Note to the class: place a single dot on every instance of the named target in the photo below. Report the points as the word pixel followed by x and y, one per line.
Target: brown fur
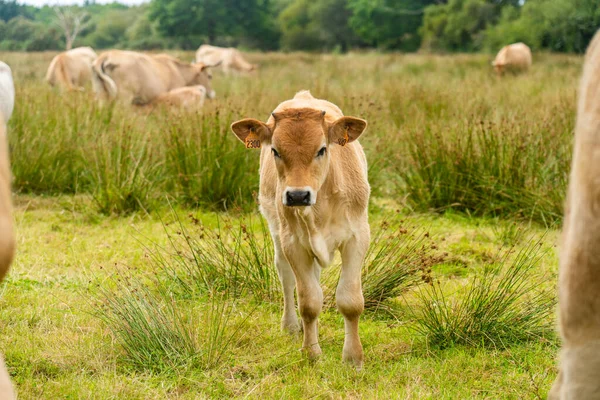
pixel 71 69
pixel 306 238
pixel 140 78
pixel 579 274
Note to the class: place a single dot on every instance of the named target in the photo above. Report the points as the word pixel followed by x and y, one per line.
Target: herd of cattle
pixel 145 79
pixel 314 192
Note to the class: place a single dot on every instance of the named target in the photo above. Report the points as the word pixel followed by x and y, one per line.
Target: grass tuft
pixel 504 305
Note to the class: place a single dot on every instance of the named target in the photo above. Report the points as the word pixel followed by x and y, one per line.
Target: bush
pixel 504 305
pixel 487 169
pixel 160 333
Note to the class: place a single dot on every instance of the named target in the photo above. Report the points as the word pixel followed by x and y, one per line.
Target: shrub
pixel 504 305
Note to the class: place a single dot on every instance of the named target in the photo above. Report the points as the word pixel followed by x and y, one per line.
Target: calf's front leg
pixel 349 296
pixel 289 320
pixel 310 296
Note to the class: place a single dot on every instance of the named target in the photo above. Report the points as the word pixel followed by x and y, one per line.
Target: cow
pixel 230 58
pixel 7 236
pixel 140 78
pixel 579 266
pixel 71 69
pixel 314 194
pixel 187 98
pixel 514 58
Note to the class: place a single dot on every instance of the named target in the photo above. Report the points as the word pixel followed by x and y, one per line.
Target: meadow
pixel 145 271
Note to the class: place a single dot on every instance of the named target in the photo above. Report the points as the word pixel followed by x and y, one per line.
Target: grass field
pixel 144 270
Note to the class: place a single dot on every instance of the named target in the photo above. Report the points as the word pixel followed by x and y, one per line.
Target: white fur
pixel 7 92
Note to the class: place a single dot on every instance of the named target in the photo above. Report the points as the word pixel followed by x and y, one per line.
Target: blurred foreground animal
pixel 229 58
pixel 579 272
pixel 186 98
pixel 71 69
pixel 514 58
pixel 314 194
pixel 7 236
pixel 140 78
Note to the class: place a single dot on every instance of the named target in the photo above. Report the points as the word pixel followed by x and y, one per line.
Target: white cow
pixel 579 271
pixel 7 236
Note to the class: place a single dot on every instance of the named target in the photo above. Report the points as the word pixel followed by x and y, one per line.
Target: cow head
pixel 499 68
pixel 203 77
pixel 300 141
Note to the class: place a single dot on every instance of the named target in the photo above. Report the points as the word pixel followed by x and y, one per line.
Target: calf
pixel 314 194
pixel 186 98
pixel 579 271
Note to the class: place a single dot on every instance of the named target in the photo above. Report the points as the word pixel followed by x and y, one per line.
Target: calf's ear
pixel 346 130
pixel 252 132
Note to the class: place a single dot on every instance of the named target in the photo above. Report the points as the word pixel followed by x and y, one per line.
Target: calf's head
pixel 203 77
pixel 300 141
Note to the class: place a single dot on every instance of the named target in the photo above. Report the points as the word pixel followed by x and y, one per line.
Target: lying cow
pixel 71 69
pixel 186 98
pixel 314 194
pixel 514 58
pixel 7 236
pixel 230 58
pixel 579 271
pixel 140 78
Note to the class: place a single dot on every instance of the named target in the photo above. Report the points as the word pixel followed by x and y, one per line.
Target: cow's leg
pixel 349 296
pixel 310 296
pixel 289 320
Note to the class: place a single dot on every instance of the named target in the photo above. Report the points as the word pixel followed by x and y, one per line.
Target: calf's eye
pixel 322 152
pixel 275 153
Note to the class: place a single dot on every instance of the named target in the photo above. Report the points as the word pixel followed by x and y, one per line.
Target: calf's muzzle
pixel 296 198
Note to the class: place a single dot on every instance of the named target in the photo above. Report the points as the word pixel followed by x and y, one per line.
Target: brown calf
pixel 314 194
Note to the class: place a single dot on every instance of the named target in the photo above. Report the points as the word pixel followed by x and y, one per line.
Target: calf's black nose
pixel 298 198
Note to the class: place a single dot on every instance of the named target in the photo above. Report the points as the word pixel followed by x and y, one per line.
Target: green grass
pixel 144 272
pixel 56 346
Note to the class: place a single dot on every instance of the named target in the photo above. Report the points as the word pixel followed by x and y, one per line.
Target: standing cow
pixel 230 59
pixel 579 271
pixel 7 236
pixel 71 69
pixel 514 58
pixel 140 78
pixel 314 194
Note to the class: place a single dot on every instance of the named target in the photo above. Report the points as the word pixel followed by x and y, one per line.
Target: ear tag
pixel 252 141
pixel 343 140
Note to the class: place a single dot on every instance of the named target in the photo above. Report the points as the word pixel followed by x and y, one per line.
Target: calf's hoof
pixel 353 357
pixel 313 352
pixel 291 326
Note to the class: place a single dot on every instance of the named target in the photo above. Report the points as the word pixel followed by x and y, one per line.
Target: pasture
pixel 144 270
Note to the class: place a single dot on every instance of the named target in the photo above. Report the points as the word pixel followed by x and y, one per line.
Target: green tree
pixel 459 24
pixel 389 24
pixel 557 25
pixel 212 19
pixel 317 25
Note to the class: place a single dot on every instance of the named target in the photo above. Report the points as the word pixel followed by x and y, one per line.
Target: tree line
pixel 307 25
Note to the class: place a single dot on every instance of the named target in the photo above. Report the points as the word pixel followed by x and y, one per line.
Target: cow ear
pixel 252 132
pixel 346 130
